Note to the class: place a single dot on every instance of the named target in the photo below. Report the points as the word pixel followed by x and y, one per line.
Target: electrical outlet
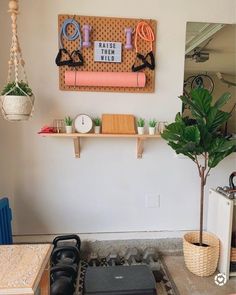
pixel 152 201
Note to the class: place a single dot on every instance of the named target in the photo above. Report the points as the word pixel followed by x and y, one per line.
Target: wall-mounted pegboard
pixel 107 29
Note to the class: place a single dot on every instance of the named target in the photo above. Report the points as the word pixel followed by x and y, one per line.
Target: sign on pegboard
pixel 106 54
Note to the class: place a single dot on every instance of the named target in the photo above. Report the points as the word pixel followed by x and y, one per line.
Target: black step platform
pixel 119 280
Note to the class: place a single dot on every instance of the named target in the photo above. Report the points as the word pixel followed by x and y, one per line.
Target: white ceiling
pixel 222 48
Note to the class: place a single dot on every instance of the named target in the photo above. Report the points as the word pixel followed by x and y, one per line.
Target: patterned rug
pixel 165 286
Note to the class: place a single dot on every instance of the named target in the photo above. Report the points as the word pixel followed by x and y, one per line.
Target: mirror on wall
pixel 210 62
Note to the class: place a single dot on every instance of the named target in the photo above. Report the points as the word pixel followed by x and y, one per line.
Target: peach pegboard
pixel 113 30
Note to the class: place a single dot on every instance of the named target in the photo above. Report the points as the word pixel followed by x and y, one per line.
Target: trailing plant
pixel 68 121
pixel 200 138
pixel 21 90
pixel 97 121
pixel 141 122
pixel 152 123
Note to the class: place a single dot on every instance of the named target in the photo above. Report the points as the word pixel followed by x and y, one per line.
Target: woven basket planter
pixel 202 261
pixel 16 108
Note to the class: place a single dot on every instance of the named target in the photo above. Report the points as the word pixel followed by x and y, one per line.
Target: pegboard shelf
pixel 77 136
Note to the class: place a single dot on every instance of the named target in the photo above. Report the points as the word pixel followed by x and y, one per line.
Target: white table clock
pixel 83 123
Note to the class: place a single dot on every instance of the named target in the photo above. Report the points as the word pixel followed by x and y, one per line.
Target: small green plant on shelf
pixel 20 89
pixel 68 121
pixel 97 121
pixel 141 122
pixel 152 123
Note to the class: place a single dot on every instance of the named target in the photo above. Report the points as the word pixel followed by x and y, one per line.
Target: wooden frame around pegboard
pixel 108 29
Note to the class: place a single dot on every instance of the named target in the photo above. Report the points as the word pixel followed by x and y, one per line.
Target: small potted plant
pixel 141 124
pixel 68 124
pixel 17 101
pixel 97 125
pixel 152 126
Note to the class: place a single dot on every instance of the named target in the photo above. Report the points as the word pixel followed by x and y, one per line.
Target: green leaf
pixel 192 133
pixel 222 100
pixel 201 100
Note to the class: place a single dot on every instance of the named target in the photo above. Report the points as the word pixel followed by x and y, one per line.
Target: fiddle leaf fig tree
pixel 200 138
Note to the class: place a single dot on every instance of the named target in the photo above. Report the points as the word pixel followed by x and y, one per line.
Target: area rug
pixel 165 287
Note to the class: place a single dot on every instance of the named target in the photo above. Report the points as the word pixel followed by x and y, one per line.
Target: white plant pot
pixel 140 130
pixel 152 130
pixel 97 129
pixel 68 129
pixel 17 108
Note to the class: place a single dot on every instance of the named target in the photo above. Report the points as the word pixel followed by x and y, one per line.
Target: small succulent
pixel 12 89
pixel 152 123
pixel 97 121
pixel 141 122
pixel 68 121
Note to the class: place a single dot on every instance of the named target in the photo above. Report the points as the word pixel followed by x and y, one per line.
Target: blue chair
pixel 5 222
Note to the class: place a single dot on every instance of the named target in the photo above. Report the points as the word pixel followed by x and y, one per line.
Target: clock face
pixel 83 123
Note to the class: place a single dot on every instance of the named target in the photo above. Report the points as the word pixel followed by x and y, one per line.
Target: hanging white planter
pixel 17 103
pixel 17 108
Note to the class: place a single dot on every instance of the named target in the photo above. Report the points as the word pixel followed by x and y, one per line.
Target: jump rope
pixel 75 58
pixel 144 32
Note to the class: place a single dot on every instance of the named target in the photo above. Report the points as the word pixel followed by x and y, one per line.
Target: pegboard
pixel 107 29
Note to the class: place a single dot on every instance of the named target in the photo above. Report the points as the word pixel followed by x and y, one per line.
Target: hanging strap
pixel 74 59
pixel 145 32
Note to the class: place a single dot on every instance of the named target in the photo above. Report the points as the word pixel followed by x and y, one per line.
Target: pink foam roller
pixel 105 79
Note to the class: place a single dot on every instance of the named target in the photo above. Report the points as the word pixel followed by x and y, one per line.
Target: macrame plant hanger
pixel 16 107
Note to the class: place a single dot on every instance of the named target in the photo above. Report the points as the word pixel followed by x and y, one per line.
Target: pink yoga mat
pixel 109 79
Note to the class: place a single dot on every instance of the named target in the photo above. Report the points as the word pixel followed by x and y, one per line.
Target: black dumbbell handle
pixel 231 181
pixel 68 237
pixel 56 253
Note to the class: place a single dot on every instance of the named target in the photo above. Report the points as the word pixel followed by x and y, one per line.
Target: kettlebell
pixel 67 238
pixel 62 280
pixel 65 255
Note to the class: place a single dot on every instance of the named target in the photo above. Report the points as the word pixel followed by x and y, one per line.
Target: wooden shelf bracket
pixel 140 147
pixel 77 146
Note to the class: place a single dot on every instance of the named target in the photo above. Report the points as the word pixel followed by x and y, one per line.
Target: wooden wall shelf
pixel 77 136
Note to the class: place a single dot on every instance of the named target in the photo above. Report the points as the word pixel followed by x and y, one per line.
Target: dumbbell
pixel 113 259
pixel 63 280
pixel 94 260
pixel 150 257
pixel 132 256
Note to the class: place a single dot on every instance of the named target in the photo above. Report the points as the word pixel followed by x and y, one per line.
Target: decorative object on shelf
pixel 83 123
pixel 106 29
pixel 97 125
pixel 75 58
pixel 58 125
pixel 128 32
pixel 105 79
pixel 107 51
pixel 162 126
pixel 17 100
pixel 140 124
pixel 68 124
pixel 46 129
pixel 87 29
pixel 152 126
pixel 145 32
pixel 200 140
pixel 118 124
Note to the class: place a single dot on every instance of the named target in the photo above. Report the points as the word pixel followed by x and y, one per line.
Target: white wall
pixel 104 191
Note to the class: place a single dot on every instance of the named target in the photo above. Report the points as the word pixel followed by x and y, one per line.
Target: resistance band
pixel 145 32
pixel 75 59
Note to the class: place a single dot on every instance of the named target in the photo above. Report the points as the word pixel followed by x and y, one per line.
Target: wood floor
pixel 189 284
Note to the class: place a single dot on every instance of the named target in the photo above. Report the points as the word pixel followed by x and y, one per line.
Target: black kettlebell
pixel 62 280
pixel 67 238
pixel 65 255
